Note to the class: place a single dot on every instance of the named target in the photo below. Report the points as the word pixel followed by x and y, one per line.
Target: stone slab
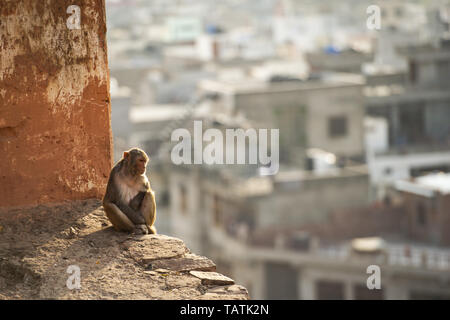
pixel 149 248
pixel 212 278
pixel 187 263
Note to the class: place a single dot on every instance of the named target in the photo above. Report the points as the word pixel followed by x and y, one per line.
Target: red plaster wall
pixel 55 132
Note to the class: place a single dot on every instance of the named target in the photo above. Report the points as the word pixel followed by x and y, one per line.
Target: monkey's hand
pixel 135 203
pixel 145 187
pixel 135 216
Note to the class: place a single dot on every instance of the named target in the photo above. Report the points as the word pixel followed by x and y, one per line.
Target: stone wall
pixel 55 134
pixel 38 244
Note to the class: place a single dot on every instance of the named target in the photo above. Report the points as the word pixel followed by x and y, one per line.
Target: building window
pixel 329 290
pixel 417 295
pixel 443 68
pixel 281 281
pixel 164 198
pixel 412 71
pixel 399 13
pixel 183 199
pixel 361 292
pixel 216 210
pixel 421 215
pixel 337 126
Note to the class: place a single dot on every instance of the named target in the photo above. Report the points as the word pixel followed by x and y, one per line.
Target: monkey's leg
pixel 119 220
pixel 148 211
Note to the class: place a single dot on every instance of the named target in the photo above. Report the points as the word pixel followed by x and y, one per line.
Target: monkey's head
pixel 135 161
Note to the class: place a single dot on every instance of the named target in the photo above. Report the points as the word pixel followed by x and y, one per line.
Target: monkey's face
pixel 136 161
pixel 141 164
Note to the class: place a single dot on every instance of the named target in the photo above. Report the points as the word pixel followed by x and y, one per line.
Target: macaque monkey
pixel 129 201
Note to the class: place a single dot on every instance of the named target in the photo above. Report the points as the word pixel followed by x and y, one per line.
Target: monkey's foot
pixel 151 230
pixel 140 229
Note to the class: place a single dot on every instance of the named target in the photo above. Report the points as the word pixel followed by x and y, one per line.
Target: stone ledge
pixel 40 243
pixel 212 278
pixel 190 262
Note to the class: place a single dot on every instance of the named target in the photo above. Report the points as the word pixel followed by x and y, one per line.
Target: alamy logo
pixel 74 21
pixel 74 280
pixel 374 20
pixel 214 151
pixel 374 281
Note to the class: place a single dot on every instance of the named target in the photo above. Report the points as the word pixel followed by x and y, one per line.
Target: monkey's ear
pixel 126 154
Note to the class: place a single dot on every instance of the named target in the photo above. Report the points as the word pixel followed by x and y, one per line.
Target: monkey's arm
pixel 135 203
pixel 133 215
pixel 148 210
pixel 112 196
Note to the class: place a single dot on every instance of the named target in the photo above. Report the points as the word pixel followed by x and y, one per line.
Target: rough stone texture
pixel 233 292
pixel 151 247
pixel 212 278
pixel 38 244
pixel 186 263
pixel 55 134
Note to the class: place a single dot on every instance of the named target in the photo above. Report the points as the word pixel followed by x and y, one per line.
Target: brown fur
pixel 129 201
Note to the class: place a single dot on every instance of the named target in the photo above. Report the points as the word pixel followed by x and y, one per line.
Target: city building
pixel 325 111
pixel 416 110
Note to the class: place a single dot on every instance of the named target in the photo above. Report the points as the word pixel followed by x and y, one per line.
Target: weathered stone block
pixel 212 278
pixel 186 263
pixel 155 247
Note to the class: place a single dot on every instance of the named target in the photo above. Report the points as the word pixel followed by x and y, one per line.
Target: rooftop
pixel 427 52
pixel 252 85
pixel 156 113
pixel 427 185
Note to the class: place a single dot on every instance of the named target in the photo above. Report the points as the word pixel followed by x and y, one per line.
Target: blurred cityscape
pixel 364 140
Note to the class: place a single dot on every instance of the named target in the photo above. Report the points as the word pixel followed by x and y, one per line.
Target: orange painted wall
pixel 55 131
